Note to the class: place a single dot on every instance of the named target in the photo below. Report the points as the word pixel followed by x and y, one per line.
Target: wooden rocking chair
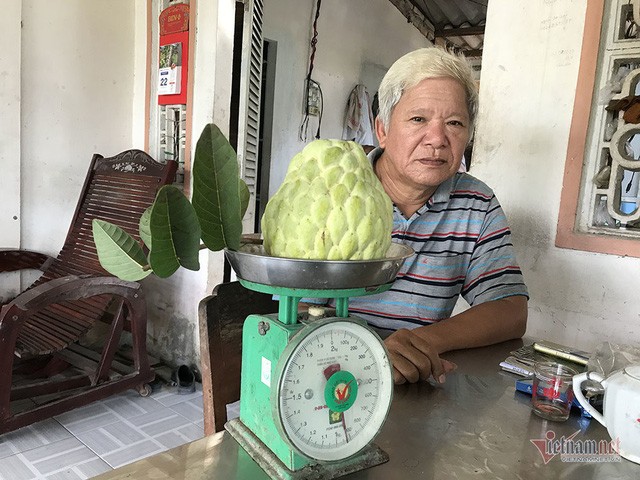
pixel 39 329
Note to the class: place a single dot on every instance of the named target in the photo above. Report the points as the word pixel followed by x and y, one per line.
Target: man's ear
pixel 380 132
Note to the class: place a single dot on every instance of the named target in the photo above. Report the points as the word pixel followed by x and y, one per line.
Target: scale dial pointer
pixel 330 370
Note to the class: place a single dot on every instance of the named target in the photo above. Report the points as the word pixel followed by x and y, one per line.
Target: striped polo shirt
pixel 463 247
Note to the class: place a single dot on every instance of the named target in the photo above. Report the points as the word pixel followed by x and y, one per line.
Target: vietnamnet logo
pixel 571 450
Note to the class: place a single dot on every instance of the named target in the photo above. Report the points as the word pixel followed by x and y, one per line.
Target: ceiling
pixel 455 23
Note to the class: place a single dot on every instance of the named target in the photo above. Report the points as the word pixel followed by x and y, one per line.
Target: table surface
pixel 474 426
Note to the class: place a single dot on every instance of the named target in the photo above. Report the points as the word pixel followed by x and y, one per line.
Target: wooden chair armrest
pixel 73 287
pixel 12 260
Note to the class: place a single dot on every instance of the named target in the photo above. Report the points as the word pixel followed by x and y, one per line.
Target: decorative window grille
pixel 610 196
pixel 172 141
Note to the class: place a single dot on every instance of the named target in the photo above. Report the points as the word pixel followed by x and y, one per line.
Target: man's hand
pixel 415 353
pixel 413 358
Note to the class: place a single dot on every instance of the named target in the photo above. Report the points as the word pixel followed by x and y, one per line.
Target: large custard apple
pixel 331 206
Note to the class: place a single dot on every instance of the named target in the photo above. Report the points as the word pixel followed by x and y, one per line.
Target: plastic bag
pixel 611 357
pixel 607 359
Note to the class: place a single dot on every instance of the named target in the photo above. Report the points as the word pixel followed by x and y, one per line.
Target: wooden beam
pixel 416 18
pixel 472 53
pixel 460 32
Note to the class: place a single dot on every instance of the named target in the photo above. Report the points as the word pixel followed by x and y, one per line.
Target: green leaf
pixel 244 197
pixel 175 231
pixel 118 252
pixel 144 227
pixel 216 193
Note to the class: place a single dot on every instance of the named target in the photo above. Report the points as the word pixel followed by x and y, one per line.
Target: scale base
pixel 371 456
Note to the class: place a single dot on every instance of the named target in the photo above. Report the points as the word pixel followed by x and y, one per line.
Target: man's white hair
pixel 431 62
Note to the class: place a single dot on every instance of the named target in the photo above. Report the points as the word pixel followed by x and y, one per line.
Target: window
pixel 600 201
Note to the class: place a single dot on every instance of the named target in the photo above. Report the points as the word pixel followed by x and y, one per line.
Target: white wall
pixel 10 139
pixel 529 73
pixel 76 86
pixel 357 41
pixel 65 88
pixel 139 75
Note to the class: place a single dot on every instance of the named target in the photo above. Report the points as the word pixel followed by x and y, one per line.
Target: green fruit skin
pixel 331 206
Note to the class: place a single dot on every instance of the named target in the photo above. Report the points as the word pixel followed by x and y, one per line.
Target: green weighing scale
pixel 315 388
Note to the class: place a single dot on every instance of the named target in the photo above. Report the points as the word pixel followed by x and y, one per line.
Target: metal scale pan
pixel 251 263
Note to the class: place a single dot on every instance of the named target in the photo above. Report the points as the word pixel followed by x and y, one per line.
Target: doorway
pixel 269 51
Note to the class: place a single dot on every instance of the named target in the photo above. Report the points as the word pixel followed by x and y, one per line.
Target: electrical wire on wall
pixel 311 84
pixel 320 105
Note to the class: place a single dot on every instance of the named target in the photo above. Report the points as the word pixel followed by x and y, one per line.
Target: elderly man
pixel 453 221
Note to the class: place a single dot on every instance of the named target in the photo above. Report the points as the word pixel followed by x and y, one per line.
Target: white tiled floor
pixel 104 435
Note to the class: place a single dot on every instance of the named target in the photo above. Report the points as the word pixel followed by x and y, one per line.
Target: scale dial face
pixel 334 389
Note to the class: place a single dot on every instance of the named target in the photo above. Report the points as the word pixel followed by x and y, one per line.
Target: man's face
pixel 427 133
